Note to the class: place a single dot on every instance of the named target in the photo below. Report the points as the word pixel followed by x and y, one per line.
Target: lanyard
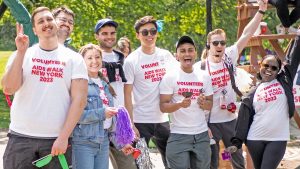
pixel 224 76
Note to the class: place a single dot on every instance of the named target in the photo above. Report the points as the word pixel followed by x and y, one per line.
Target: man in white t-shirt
pixel 112 69
pixel 144 69
pixel 49 83
pixel 188 144
pixel 223 114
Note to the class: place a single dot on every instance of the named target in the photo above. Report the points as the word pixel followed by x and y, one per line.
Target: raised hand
pixel 22 40
pixel 263 4
pixel 110 111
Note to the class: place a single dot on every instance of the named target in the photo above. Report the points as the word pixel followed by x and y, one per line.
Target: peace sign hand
pixel 22 40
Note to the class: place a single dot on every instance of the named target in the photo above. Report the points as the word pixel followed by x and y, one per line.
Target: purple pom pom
pixel 124 132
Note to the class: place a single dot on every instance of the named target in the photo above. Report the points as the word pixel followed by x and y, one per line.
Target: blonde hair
pixel 83 51
pixel 209 35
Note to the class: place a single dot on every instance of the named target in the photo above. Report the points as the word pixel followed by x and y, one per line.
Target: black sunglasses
pixel 216 43
pixel 273 68
pixel 145 32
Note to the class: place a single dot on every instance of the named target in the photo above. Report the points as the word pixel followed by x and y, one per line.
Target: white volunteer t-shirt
pixel 108 121
pixel 145 73
pixel 118 85
pixel 190 120
pixel 41 105
pixel 218 73
pixel 271 119
pixel 296 88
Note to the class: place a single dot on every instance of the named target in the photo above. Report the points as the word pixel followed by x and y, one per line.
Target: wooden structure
pixel 246 11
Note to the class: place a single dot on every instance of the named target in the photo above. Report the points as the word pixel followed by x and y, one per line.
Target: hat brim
pixel 115 24
pixel 185 39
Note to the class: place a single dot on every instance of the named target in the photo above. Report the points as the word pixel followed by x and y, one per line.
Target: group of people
pixel 64 98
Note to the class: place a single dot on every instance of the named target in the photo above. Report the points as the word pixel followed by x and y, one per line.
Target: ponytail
pixel 110 88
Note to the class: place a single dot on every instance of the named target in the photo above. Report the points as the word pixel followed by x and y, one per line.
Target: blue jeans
pixel 89 155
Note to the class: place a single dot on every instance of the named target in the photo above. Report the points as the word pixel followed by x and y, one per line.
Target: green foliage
pixel 7 36
pixel 4 112
pixel 180 17
pixel 4 109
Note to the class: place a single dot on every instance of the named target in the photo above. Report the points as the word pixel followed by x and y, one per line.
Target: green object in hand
pixel 47 159
pixel 63 161
pixel 42 161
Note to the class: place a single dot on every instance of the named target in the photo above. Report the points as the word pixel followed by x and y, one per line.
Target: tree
pixel 179 16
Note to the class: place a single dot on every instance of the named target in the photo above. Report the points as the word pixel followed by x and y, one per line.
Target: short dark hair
pixel 143 21
pixel 63 9
pixel 258 75
pixel 38 10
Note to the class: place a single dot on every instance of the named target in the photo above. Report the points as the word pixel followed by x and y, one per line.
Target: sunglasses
pixel 146 32
pixel 273 68
pixel 216 43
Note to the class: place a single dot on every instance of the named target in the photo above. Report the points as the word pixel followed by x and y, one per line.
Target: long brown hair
pixel 83 51
pixel 209 35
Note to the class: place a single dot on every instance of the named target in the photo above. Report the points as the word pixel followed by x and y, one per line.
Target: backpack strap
pixel 203 65
pixel 229 66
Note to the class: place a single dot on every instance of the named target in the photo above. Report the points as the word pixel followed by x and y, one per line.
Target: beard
pixel 63 33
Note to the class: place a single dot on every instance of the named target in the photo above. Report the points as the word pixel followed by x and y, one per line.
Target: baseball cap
pixel 185 39
pixel 103 22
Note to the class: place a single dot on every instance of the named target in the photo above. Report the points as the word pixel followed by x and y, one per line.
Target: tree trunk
pixel 3 8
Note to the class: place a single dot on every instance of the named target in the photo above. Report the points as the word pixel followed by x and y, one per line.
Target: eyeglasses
pixel 273 68
pixel 65 20
pixel 145 32
pixel 216 43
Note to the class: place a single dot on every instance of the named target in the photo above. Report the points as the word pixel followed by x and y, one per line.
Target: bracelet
pixel 262 12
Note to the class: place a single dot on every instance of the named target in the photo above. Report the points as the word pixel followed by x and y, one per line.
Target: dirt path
pixel 291 158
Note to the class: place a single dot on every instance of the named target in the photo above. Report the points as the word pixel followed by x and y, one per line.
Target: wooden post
pixel 208 17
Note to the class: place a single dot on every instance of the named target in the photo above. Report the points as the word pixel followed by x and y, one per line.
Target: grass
pixel 4 109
